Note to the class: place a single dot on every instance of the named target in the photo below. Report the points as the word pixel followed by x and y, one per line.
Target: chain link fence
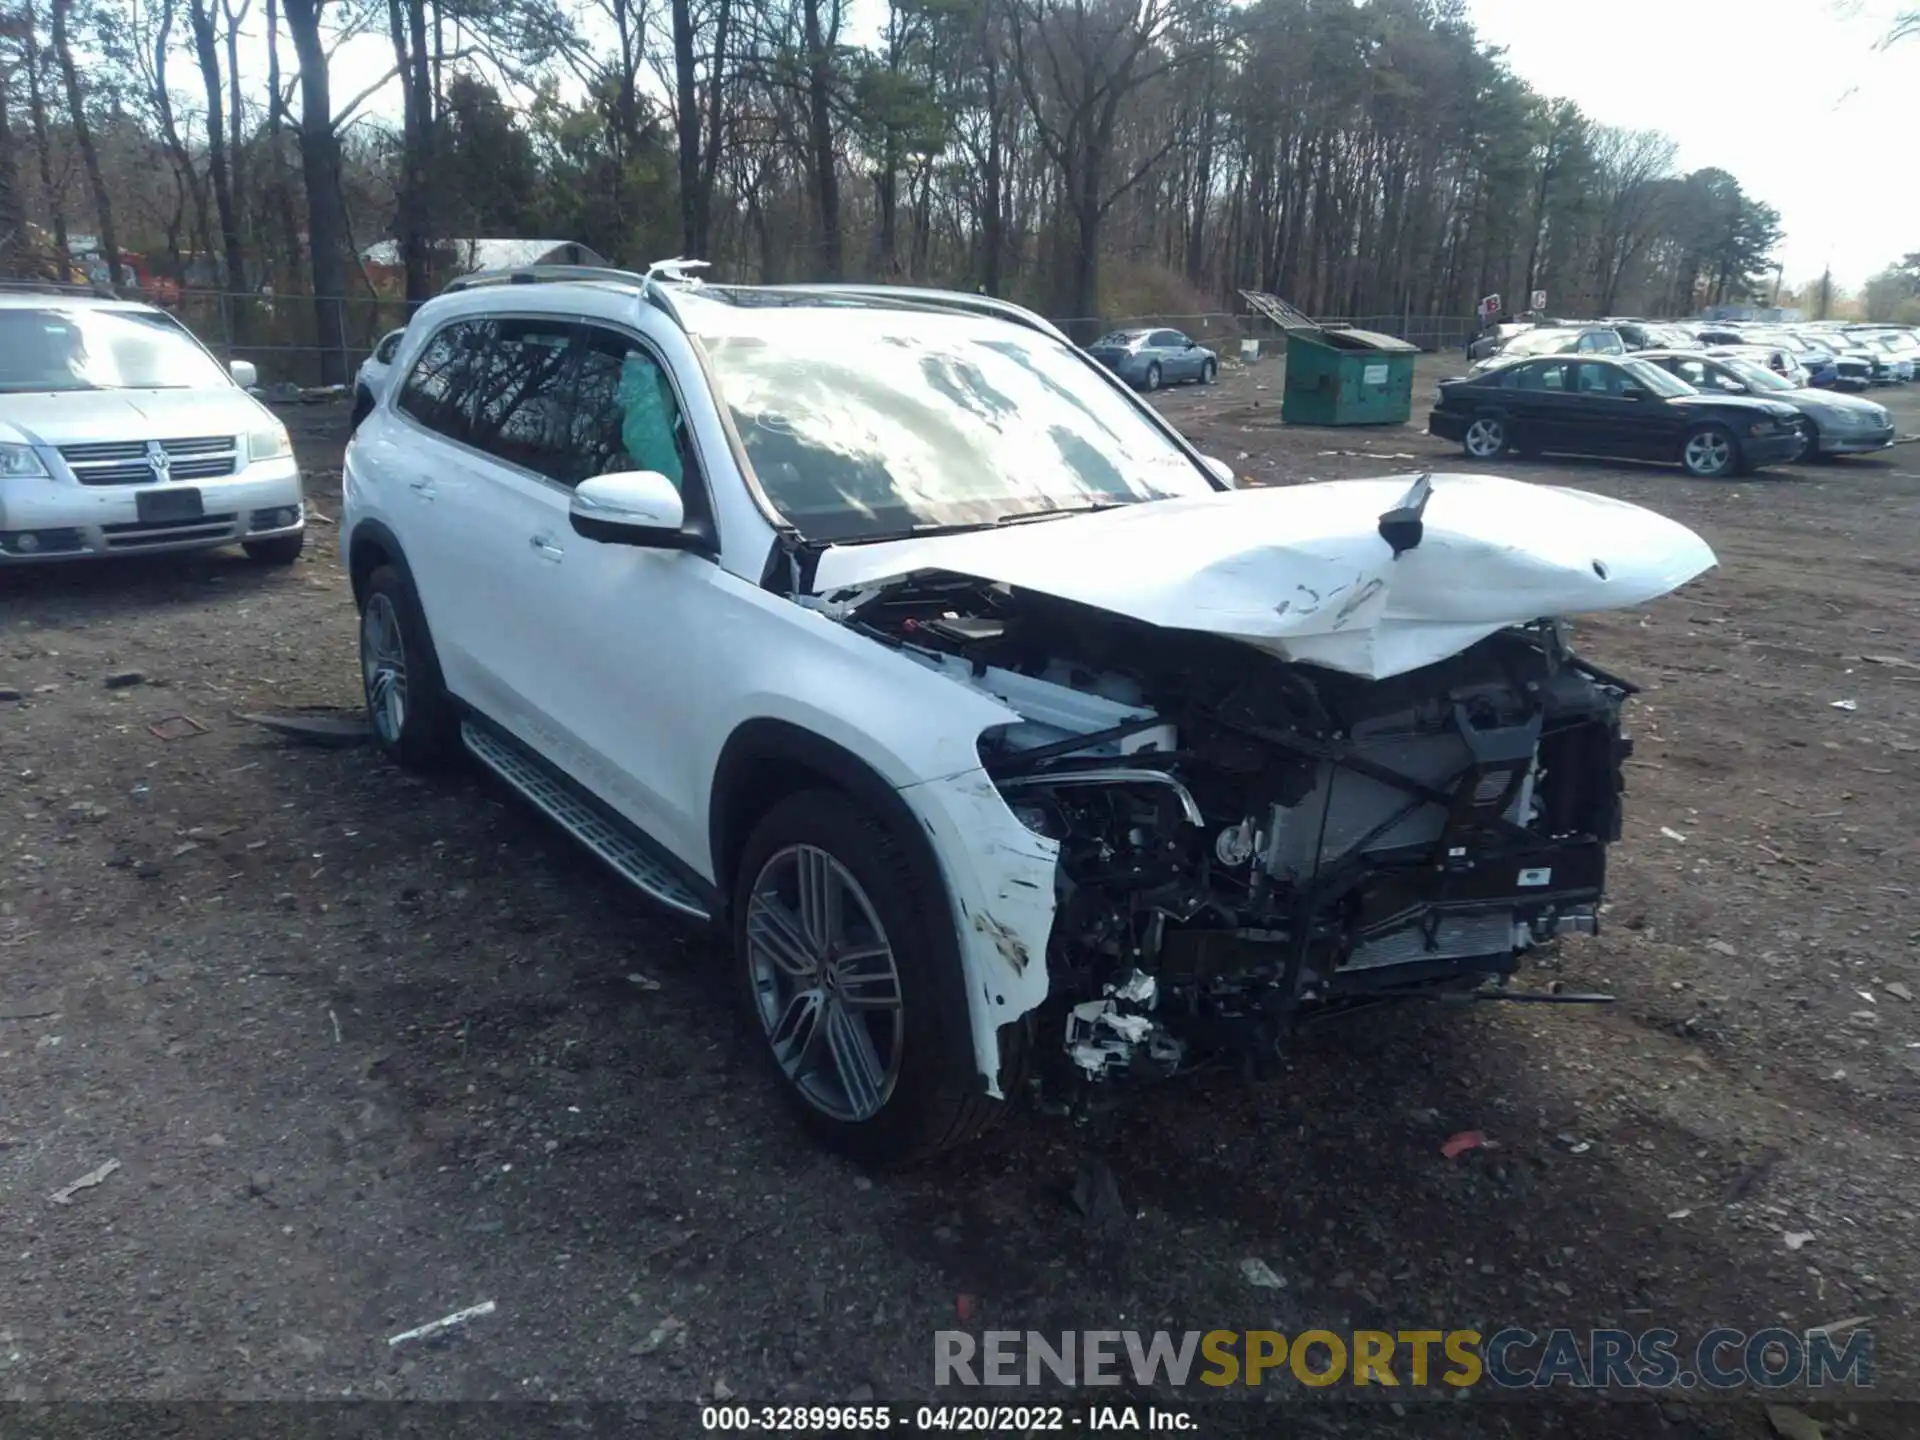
pixel 279 333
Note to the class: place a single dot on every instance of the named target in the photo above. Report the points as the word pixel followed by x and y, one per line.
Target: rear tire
pixel 414 719
pixel 1152 380
pixel 280 550
pixel 849 966
pixel 1710 453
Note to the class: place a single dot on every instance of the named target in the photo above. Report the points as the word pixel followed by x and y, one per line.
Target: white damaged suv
pixel 121 433
pixel 1002 737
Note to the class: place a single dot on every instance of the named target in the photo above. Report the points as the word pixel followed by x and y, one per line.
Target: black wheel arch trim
pixel 374 533
pixel 766 741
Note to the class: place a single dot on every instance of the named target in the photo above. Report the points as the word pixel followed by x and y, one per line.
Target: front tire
pixel 1209 373
pixel 846 952
pixel 1486 438
pixel 280 550
pixel 413 717
pixel 1710 452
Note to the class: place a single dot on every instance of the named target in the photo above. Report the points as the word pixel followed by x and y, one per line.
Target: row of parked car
pixel 1821 356
pixel 1715 409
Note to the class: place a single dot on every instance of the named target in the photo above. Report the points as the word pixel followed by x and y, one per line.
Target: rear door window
pixel 441 388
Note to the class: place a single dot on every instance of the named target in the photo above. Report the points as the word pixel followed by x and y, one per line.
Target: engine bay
pixel 1246 842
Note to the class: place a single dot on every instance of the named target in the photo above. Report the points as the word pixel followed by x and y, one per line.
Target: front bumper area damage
pixel 1242 839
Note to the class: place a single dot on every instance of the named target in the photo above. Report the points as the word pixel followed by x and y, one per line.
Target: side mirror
pixel 630 507
pixel 1636 392
pixel 245 375
pixel 1220 471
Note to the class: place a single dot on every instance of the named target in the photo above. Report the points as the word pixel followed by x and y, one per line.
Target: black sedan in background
pixel 1830 424
pixel 1600 405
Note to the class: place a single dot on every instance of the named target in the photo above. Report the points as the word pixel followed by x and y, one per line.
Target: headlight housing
pixel 20 460
pixel 270 442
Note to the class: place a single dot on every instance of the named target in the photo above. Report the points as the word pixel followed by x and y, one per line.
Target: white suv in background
pixel 999 734
pixel 120 432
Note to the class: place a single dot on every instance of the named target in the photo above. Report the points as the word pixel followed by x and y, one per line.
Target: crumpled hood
pixel 70 417
pixel 1304 573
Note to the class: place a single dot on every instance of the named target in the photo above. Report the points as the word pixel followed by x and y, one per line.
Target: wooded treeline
pixel 1085 156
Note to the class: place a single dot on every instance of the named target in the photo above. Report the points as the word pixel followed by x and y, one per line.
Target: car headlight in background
pixel 20 460
pixel 269 443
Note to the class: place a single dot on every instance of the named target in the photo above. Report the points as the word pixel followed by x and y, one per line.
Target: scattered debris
pixel 1678 1214
pixel 963 1308
pixel 64 1195
pixel 336 1026
pixel 636 978
pixel 1466 1140
pixel 1673 835
pixel 1258 1273
pixel 862 1394
pixel 88 810
pixel 1900 992
pixel 333 731
pixel 444 1323
pixel 124 679
pixel 1841 1327
pixel 722 1392
pixel 1797 1238
pixel 1896 661
pixel 7 692
pixel 670 1328
pixel 1845 705
pixel 1721 947
pixel 28 1014
pixel 1096 1194
pixel 1791 1424
pixel 176 727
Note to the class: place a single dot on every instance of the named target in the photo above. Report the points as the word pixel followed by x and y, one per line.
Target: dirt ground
pixel 370 1049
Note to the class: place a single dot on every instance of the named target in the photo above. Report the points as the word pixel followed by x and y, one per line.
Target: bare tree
pixel 83 138
pixel 320 169
pixel 1077 62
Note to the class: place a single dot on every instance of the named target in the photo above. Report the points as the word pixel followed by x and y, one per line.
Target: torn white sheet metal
pixel 1303 572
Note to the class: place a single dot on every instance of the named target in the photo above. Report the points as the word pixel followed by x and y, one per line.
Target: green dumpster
pixel 1348 377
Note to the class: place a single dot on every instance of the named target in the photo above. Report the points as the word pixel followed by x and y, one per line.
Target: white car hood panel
pixel 1302 572
pixel 82 416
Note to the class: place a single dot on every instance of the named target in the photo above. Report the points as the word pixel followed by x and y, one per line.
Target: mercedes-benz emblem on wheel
pixel 158 458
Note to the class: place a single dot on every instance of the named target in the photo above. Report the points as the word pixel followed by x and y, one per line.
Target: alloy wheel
pixel 383 665
pixel 825 984
pixel 1485 439
pixel 1708 453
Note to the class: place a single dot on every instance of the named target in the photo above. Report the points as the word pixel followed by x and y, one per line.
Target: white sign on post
pixel 1489 307
pixel 1539 299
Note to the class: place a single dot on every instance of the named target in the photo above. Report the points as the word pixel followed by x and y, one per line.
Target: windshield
pixel 1540 342
pixel 1756 375
pixel 900 424
pixel 90 348
pixel 1656 380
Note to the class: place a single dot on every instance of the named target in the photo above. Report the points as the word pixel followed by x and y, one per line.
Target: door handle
pixel 423 488
pixel 544 547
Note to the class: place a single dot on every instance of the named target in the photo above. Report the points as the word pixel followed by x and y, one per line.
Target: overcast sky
pixel 1789 96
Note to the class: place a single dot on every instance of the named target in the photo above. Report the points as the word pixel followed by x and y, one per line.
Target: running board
pixel 563 801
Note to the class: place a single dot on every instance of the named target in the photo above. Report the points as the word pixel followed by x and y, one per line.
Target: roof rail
pixel 544 274
pixel 918 296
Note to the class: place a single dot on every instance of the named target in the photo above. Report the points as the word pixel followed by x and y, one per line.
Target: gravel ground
pixel 371 1049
